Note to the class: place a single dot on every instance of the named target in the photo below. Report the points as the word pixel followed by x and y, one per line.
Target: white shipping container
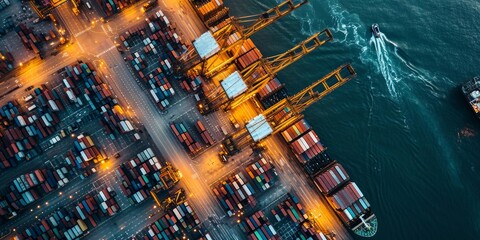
pixel 129 125
pixel 65 82
pixel 102 196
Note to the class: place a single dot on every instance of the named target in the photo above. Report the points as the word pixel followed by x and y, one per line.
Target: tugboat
pixel 471 91
pixel 376 30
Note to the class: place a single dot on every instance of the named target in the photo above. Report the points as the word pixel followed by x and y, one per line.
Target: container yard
pixel 238 193
pixel 177 223
pixel 38 125
pixel 154 48
pixel 76 220
pixel 258 227
pixel 143 174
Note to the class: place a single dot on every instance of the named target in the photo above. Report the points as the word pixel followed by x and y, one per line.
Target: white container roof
pixel 206 45
pixel 233 85
pixel 259 128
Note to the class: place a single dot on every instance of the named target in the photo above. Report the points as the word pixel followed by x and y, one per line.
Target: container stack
pixel 349 202
pixel 329 180
pixel 6 210
pixel 108 204
pixel 86 148
pixel 29 39
pixel 84 155
pixel 48 98
pixel 174 225
pixel 185 138
pixel 73 222
pixel 142 174
pixel 192 83
pixel 99 97
pixel 235 193
pixel 207 138
pixel 296 130
pixel 29 187
pixel 308 231
pixel 248 58
pixel 211 12
pixel 307 146
pixel 6 62
pixel 112 7
pixel 290 208
pixel 161 89
pixel 71 92
pixel 19 139
pixel 4 4
pixel 272 93
pixel 262 173
pixel 138 62
pixel 258 227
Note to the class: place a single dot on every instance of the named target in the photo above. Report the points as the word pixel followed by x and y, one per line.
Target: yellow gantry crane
pixel 240 86
pixel 175 199
pixel 285 112
pixel 238 26
pixel 43 12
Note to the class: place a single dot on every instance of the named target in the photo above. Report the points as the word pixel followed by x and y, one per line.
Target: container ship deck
pixel 471 91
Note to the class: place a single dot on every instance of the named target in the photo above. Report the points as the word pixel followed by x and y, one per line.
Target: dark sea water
pixel 400 128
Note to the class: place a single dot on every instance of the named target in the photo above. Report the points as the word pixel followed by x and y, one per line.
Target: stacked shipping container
pixel 290 207
pixel 329 176
pixel 349 202
pixel 173 225
pixel 29 39
pixel 6 63
pixel 74 221
pixel 112 7
pixel 29 187
pixel 211 12
pixel 258 227
pixel 159 38
pixel 185 138
pixel 142 174
pixel 329 180
pixel 262 173
pixel 99 97
pixel 207 138
pixel 248 58
pixel 160 88
pixel 235 193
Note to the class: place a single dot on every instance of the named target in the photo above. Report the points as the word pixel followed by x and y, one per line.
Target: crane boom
pixel 277 63
pixel 289 110
pixel 234 26
pixel 266 68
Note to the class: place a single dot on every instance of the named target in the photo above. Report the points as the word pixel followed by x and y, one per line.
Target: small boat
pixel 471 91
pixel 376 30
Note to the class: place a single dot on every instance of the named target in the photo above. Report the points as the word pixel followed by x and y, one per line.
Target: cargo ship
pixel 471 91
pixel 331 179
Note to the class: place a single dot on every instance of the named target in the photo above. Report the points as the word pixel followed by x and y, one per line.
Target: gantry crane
pixel 175 199
pixel 234 26
pixel 43 12
pixel 229 96
pixel 285 112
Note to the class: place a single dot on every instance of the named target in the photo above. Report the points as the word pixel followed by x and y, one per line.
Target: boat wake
pixel 385 62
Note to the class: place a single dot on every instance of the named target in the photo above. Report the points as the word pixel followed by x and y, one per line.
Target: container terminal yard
pixel 163 120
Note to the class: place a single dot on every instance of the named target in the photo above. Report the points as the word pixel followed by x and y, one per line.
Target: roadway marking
pixel 83 31
pixel 109 49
